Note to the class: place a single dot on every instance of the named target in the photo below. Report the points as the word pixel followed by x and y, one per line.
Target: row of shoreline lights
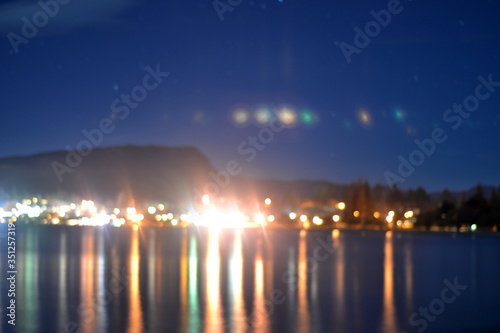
pixel 264 115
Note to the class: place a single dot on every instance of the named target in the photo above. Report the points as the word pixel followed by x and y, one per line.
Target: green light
pixel 307 117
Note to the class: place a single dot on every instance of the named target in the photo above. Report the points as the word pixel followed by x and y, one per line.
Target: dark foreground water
pixel 172 280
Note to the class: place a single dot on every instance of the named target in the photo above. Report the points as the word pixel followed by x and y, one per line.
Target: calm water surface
pixel 176 280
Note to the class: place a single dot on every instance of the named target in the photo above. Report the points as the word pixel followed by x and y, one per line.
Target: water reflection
pixel 389 311
pixel 87 311
pixel 184 281
pixel 63 298
pixel 29 292
pixel 260 319
pixel 135 322
pixel 194 320
pixel 213 318
pixel 237 321
pixel 339 268
pixel 152 275
pixel 303 311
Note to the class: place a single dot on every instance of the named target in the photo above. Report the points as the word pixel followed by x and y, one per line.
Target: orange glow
pixel 213 317
pixel 135 312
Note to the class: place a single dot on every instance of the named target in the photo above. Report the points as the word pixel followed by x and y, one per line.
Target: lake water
pixel 83 279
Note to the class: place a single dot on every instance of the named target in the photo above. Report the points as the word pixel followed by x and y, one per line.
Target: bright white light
pixel 267 201
pixel 270 218
pixel 292 216
pixel 388 218
pixel 303 218
pixel 341 205
pixel 391 213
pixel 409 214
pixel 317 220
pixel 335 218
pixel 174 222
pixel 259 218
pixel 205 199
pixel 184 217
pixel 473 227
pixel 151 210
pixel 131 210
pixel 116 211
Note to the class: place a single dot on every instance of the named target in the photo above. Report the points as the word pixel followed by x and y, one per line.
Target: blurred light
pixel 240 117
pixel 170 216
pixel 335 218
pixel 473 227
pixel 55 220
pixel 270 218
pixel 399 222
pixel 116 211
pixel 267 201
pixel 341 205
pixel 259 218
pixel 356 213
pixel 388 218
pixel 391 213
pixel 364 117
pixel 263 116
pixel 287 116
pixel 44 201
pixel 308 117
pixel 135 226
pixel 317 220
pixel 205 199
pixel 292 216
pixel 184 217
pixel 35 200
pixel 335 233
pixel 174 222
pixel 161 207
pixel 409 214
pixel 158 217
pixel 164 217
pixel 303 218
pixel 151 210
pixel 131 210
pixel 376 215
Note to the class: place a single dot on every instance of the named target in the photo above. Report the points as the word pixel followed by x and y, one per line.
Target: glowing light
pixel 409 214
pixel 399 222
pixel 391 213
pixel 267 201
pixel 240 117
pixel 473 227
pixel 317 220
pixel 270 218
pixel 303 218
pixel 335 218
pixel 259 218
pixel 292 216
pixel 356 213
pixel 151 210
pixel 161 207
pixel 262 116
pixel 35 200
pixel 287 116
pixel 164 217
pixel 341 205
pixel 205 199
pixel 376 215
pixel 131 210
pixel 388 218
pixel 174 222
pixel 170 216
pixel 184 217
pixel 135 227
pixel 158 217
pixel 335 233
pixel 55 220
pixel 364 117
pixel 116 211
pixel 307 117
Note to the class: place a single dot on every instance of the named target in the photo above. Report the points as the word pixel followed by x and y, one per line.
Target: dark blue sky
pixel 352 118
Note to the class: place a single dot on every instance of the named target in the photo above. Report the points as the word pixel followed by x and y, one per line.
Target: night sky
pixel 228 77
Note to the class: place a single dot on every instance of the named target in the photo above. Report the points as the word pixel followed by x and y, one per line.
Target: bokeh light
pixel 364 117
pixel 263 116
pixel 287 116
pixel 240 117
